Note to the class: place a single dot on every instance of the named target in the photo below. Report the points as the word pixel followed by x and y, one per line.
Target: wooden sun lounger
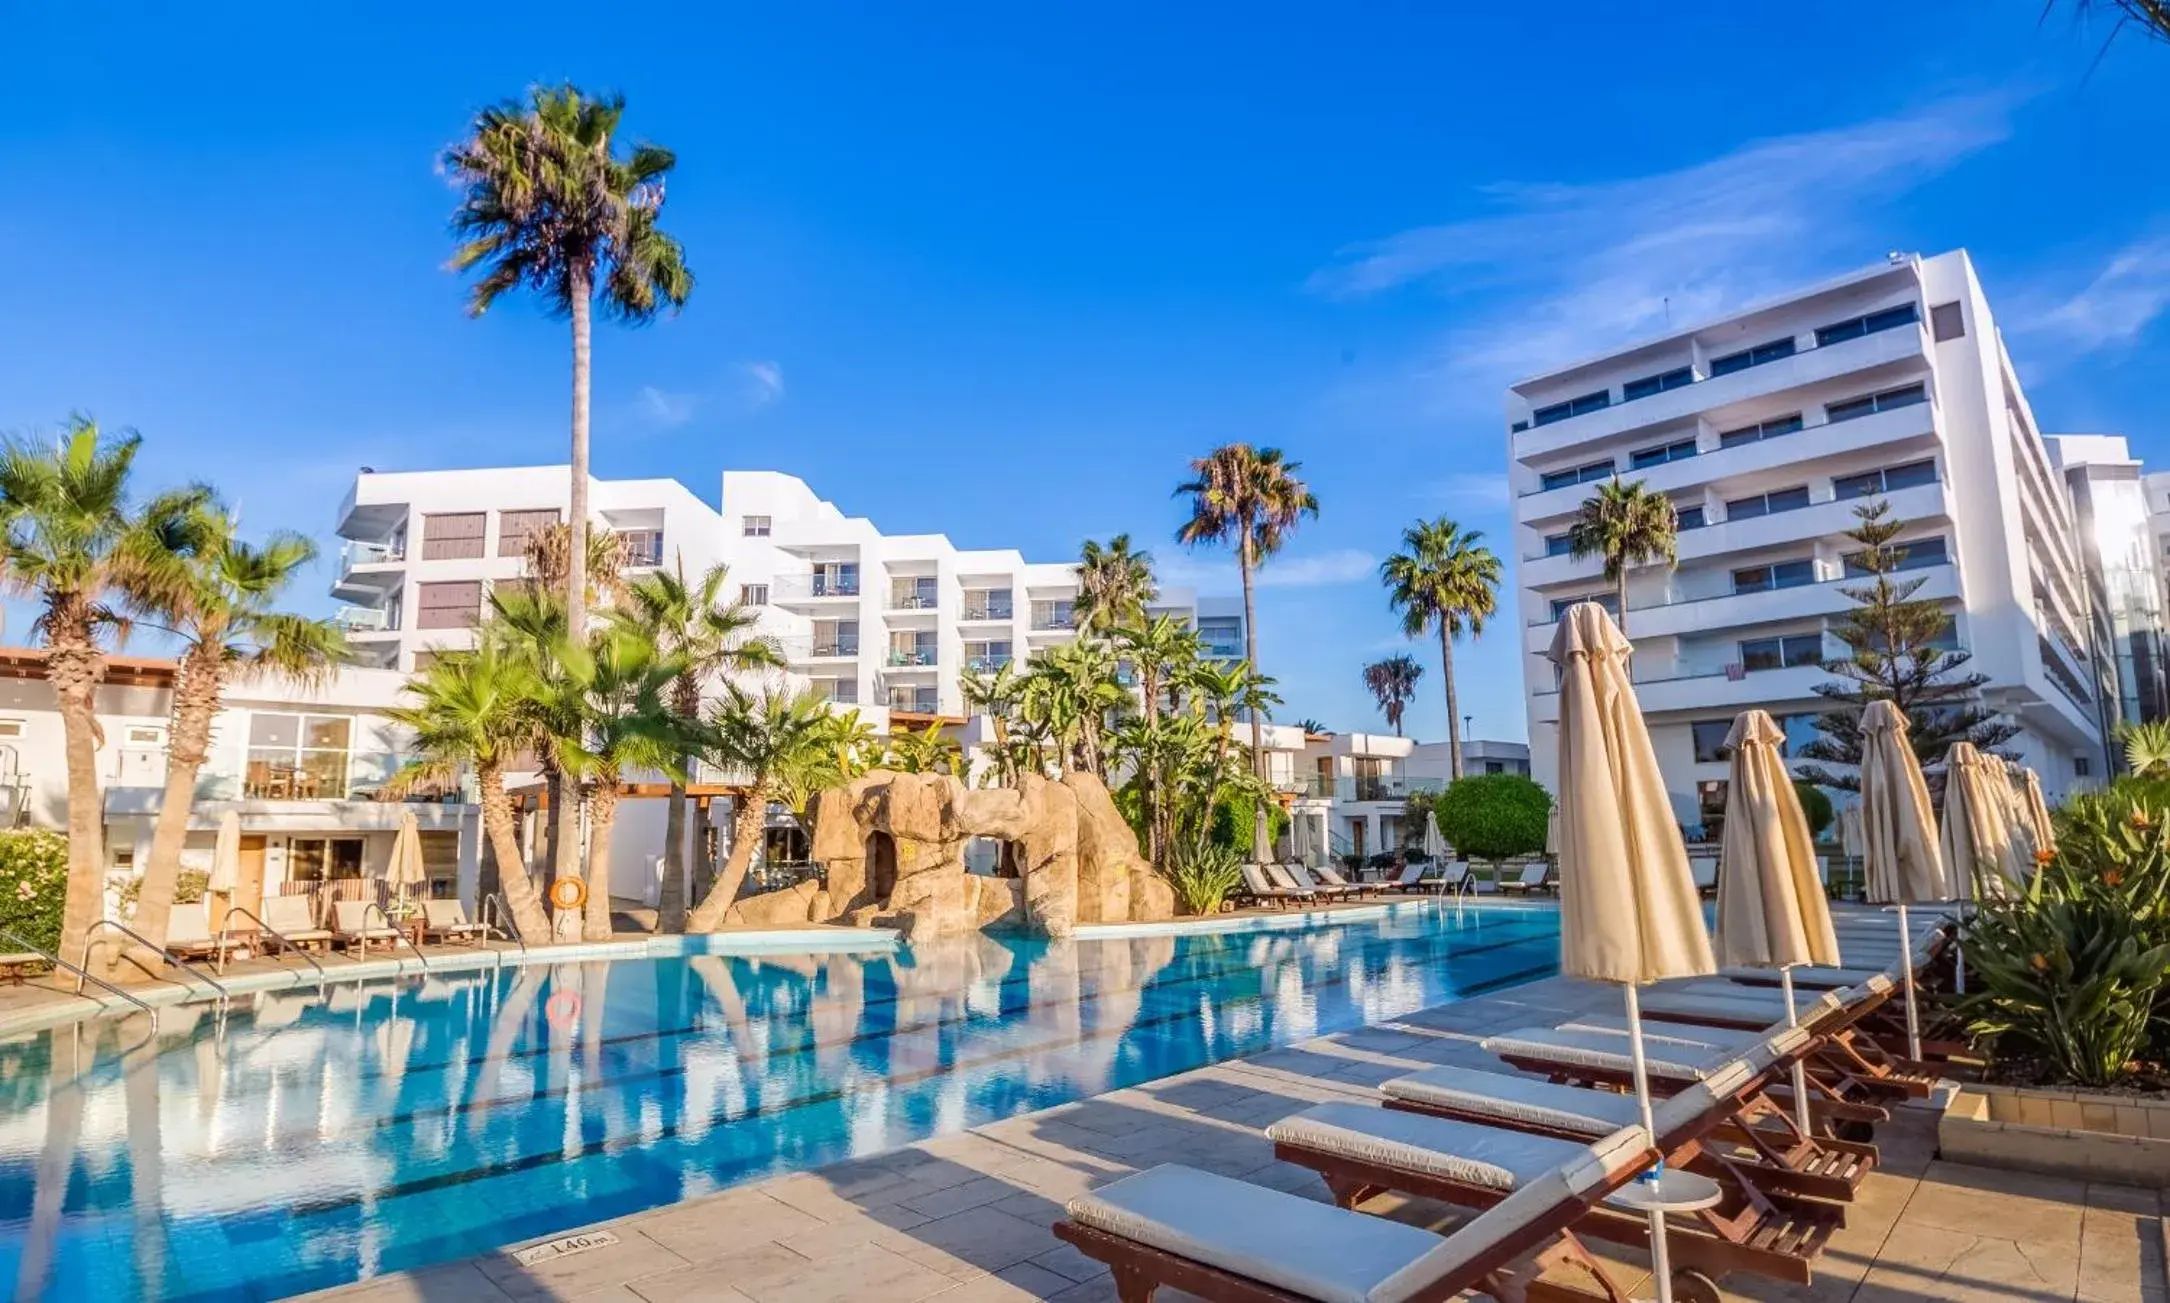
pixel 1227 1241
pixel 1282 876
pixel 1534 877
pixel 446 920
pixel 1259 890
pixel 350 919
pixel 1329 878
pixel 1362 1151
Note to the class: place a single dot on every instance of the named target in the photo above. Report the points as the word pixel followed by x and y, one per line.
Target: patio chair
pixel 1362 1151
pixel 1259 891
pixel 1228 1241
pixel 350 919
pixel 1308 879
pixel 188 934
pixel 290 917
pixel 446 920
pixel 1532 878
pixel 1279 876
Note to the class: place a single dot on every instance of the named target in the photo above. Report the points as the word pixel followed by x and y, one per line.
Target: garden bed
pixel 2086 1135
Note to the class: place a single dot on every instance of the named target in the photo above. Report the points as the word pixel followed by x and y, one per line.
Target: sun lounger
pixel 446 920
pixel 1227 1241
pixel 289 916
pixel 1259 890
pixel 1329 879
pixel 1411 875
pixel 1363 1151
pixel 188 934
pixel 1296 875
pixel 1532 878
pixel 352 921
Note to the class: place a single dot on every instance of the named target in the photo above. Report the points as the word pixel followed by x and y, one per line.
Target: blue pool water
pixel 313 1141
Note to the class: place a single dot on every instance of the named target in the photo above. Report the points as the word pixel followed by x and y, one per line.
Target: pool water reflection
pixel 311 1141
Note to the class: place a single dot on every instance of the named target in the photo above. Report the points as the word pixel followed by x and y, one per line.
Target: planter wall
pixel 2122 1139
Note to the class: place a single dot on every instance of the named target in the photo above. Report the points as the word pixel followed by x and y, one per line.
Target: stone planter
pixel 2123 1139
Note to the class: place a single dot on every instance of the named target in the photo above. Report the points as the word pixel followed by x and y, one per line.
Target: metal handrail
pixel 186 965
pixel 250 915
pixel 398 934
pixel 80 973
pixel 495 901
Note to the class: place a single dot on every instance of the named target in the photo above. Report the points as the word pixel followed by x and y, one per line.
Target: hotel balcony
pixel 368 572
pixel 1699 615
pixel 987 607
pixel 788 590
pixel 820 649
pixel 910 658
pixel 1707 685
pixel 1384 787
pixel 914 700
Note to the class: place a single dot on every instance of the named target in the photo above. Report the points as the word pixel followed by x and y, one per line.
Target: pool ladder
pixel 80 974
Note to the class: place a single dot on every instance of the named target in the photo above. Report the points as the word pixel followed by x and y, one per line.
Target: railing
pixel 987 664
pixel 843 694
pixel 494 905
pixel 1051 621
pixel 361 554
pixel 399 934
pixel 1305 785
pixel 1384 787
pixel 911 657
pixel 364 619
pixel 276 935
pixel 640 547
pixel 912 599
pixel 915 703
pixel 1223 651
pixel 185 965
pixel 1821 585
pixel 81 974
pixel 988 610
pixel 356 776
pixel 820 648
pixel 814 585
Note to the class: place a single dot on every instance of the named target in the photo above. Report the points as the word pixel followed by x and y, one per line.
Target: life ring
pixel 562 1009
pixel 568 893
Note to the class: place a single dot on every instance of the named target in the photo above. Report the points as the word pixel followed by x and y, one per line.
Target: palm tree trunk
pixel 746 824
pixel 1454 703
pixel 565 851
pixel 513 876
pixel 677 865
pixel 554 797
pixel 1250 652
pixel 195 702
pixel 603 819
pixel 75 669
pixel 146 1167
pixel 1155 843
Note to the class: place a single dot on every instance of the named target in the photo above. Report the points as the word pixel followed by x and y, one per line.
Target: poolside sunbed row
pixel 288 923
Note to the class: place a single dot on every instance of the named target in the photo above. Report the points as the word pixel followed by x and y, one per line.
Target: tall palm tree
pixel 997 694
pixel 1393 680
pixel 628 724
pixel 471 711
pixel 1443 579
pixel 1628 525
pixel 73 540
pixel 1114 586
pixel 783 743
pixel 222 613
pixel 708 636
pixel 1225 689
pixel 549 203
pixel 1251 499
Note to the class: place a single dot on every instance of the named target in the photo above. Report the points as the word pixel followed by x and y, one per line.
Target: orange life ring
pixel 562 1009
pixel 568 893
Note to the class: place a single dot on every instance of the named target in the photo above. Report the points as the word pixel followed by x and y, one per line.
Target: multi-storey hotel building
pixel 1766 429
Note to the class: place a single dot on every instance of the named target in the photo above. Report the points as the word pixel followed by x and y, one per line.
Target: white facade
pixel 2113 510
pixel 1766 428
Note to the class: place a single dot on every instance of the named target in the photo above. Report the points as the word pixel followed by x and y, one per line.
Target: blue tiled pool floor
pixel 307 1142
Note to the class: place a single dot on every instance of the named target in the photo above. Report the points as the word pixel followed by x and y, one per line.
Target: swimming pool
pixel 311 1141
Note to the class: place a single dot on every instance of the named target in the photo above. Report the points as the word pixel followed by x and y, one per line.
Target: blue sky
pixel 998 271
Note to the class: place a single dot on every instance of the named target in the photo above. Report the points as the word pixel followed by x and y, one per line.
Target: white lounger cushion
pixel 1717 1038
pixel 1464 1152
pixel 1277 1239
pixel 1719 1008
pixel 1816 977
pixel 1512 1097
pixel 1663 1055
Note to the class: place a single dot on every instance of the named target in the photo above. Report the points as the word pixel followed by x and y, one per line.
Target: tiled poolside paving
pixel 965 1218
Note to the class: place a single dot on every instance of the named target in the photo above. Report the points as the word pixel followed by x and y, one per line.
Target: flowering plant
pixel 33 884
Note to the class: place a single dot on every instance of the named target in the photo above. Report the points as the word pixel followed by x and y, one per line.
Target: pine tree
pixel 1897 656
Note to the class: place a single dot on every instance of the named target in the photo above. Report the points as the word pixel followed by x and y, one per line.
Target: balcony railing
pixel 1305 785
pixel 1388 787
pixel 988 608
pixel 914 703
pixel 987 664
pixel 364 619
pixel 912 599
pixel 908 657
pixel 814 585
pixel 838 693
pixel 809 649
pixel 1053 621
pixel 317 776
pixel 356 553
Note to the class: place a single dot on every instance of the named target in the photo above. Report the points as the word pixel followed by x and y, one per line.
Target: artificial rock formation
pixel 893 845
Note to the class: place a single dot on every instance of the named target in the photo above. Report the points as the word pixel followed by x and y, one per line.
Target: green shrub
pixel 33 885
pixel 1494 816
pixel 1815 807
pixel 1203 873
pixel 1232 815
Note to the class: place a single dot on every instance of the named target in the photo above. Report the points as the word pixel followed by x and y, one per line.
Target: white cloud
pixel 1316 570
pixel 2123 299
pixel 1560 271
pixel 664 409
pixel 763 384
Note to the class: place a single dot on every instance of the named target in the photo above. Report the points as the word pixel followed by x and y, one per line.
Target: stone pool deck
pixel 964 1218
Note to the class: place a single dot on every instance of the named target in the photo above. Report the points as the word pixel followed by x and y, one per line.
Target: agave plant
pixel 1203 872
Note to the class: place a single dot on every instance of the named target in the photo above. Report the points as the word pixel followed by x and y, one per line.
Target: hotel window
pixel 1597 470
pixel 1771 429
pixel 641 547
pixel 11 728
pixel 1748 357
pixel 1800 731
pixel 1764 579
pixel 2081 768
pixel 753 594
pixel 1610 601
pixel 297 757
pixel 1888 400
pixel 1788 652
pixel 453 537
pixel 321 859
pixel 513 527
pixel 1689 518
pixel 1906 314
pixel 1572 407
pixel 1710 736
pixel 448 606
pixel 1947 321
pixel 1559 544
pixel 757 527
pixel 1891 479
pixel 1920 554
pixel 1767 504
pixel 1644 458
pixel 1678 378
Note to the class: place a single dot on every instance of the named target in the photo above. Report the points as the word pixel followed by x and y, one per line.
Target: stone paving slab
pixel 965 1218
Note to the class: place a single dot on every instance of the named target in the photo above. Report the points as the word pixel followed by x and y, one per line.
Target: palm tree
pixel 471 711
pixel 707 636
pixel 628 724
pixel 1224 689
pixel 998 695
pixel 2152 17
pixel 783 744
pixel 1114 586
pixel 1069 691
pixel 1443 579
pixel 222 614
pixel 1393 680
pixel 923 751
pixel 548 203
pixel 527 624
pixel 1251 499
pixel 1628 525
pixel 72 539
pixel 1160 651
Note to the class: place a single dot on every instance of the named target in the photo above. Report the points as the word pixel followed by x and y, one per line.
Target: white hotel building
pixel 1765 429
